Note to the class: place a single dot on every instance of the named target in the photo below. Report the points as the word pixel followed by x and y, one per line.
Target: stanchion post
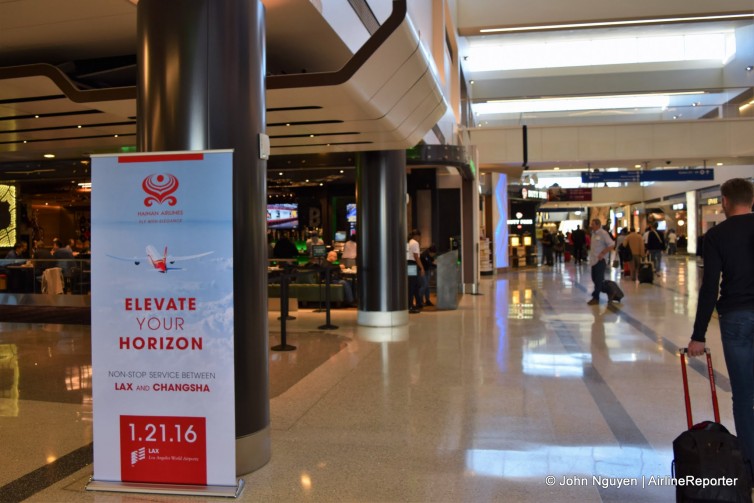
pixel 327 325
pixel 283 346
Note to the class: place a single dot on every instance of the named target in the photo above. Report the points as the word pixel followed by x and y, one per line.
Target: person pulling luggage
pixel 601 246
pixel 729 250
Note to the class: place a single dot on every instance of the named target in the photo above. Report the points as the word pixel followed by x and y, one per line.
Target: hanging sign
pixel 162 321
pixel 655 175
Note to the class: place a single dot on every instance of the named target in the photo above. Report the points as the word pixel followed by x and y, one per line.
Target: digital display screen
pixel 282 216
pixel 340 236
pixel 351 213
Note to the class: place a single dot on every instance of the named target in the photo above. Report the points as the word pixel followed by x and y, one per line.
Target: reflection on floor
pixel 523 394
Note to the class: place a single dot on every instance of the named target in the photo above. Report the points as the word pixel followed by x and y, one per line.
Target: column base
pixel 382 319
pixel 472 288
pixel 253 451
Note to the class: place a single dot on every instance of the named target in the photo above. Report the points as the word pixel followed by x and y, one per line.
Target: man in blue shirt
pixel 600 246
pixel 729 250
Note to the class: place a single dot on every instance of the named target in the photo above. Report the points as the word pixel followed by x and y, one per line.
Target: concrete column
pixel 470 235
pixel 201 87
pixel 381 260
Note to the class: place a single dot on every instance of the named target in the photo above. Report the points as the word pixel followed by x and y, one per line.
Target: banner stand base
pixel 177 489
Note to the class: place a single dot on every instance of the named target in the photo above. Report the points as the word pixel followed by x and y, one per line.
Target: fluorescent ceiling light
pixel 629 22
pixel 599 50
pixel 575 103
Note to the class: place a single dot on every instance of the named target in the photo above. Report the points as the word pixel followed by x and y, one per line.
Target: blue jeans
pixel 598 276
pixel 737 330
pixel 424 287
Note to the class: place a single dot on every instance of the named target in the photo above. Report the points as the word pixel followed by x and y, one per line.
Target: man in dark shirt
pixel 578 237
pixel 284 248
pixel 655 245
pixel 729 249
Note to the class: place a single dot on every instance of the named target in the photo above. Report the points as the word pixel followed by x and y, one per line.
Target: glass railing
pixel 52 276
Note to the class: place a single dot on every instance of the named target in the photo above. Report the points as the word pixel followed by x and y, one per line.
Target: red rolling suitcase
pixel 708 463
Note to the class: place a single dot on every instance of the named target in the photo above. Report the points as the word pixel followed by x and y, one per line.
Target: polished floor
pixel 523 394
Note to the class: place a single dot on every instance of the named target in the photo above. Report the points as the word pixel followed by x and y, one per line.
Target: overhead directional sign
pixel 656 175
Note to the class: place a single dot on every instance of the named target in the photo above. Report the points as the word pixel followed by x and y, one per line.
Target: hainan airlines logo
pixel 138 455
pixel 159 189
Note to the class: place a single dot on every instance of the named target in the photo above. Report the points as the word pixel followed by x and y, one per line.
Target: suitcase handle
pixel 683 352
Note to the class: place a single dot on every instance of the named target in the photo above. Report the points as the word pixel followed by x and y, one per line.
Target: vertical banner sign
pixel 162 319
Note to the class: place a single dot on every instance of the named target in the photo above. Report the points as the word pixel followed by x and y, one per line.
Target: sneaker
pixel 593 302
pixel 414 311
pixel 428 303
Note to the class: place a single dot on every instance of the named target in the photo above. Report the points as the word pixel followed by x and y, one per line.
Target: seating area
pixel 47 276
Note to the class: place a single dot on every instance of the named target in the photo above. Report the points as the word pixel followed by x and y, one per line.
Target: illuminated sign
pixel 679 206
pixel 533 194
pixel 521 221
pixel 711 201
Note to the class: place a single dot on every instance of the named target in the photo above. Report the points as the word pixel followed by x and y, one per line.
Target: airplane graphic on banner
pixel 161 263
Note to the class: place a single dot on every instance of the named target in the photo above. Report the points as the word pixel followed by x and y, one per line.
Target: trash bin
pixel 448 280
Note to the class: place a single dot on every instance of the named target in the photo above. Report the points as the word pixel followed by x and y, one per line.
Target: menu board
pixel 162 319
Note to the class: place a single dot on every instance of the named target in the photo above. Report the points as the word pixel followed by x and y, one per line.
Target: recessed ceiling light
pixel 115 135
pixel 719 164
pixel 556 168
pixel 49 156
pixel 79 126
pixel 311 136
pixel 749 68
pixel 637 165
pixel 307 180
pixel 281 173
pixel 36 116
pixel 342 171
pixel 471 82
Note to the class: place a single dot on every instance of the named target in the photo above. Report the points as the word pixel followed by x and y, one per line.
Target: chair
pixel 52 280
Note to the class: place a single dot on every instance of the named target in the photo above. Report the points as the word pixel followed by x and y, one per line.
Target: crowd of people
pixel 40 257
pixel 575 245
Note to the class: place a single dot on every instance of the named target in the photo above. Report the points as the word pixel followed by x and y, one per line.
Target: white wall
pixel 652 141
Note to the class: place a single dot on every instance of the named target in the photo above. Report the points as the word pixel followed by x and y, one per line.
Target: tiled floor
pixel 521 383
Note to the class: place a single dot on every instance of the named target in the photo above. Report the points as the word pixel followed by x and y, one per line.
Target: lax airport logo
pixel 160 189
pixel 138 455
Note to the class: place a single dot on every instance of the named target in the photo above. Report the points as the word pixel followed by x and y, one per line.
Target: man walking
pixel 601 245
pixel 729 250
pixel 655 245
pixel 635 243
